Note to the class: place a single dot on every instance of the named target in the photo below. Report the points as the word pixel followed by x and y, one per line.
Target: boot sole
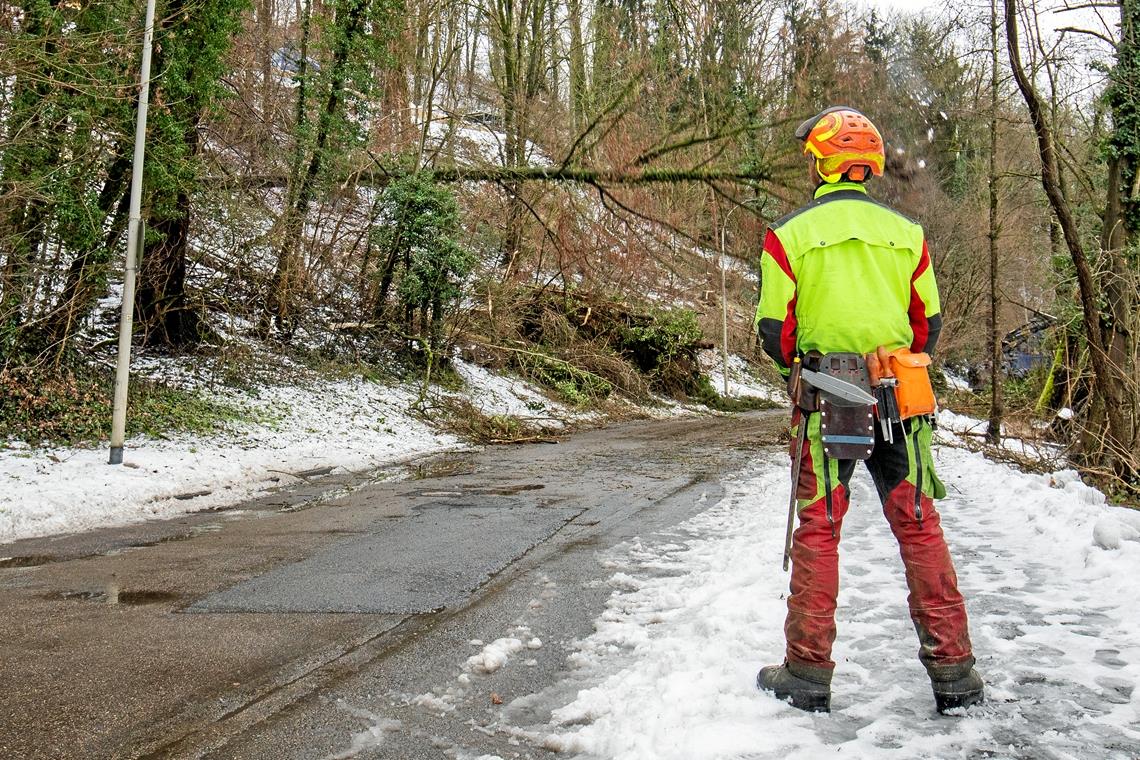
pixel 817 704
pixel 945 702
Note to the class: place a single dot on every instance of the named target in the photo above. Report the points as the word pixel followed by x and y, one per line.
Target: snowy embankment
pixel 307 428
pixel 742 383
pixel 350 425
pixel 347 425
pixel 1046 567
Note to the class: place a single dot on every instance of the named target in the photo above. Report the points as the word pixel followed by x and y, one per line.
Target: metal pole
pixel 724 294
pixel 134 235
pixel 724 304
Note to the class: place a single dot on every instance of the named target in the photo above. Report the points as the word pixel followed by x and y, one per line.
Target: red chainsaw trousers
pixel 936 606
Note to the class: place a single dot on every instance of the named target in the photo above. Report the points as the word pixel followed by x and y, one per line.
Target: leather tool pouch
pixel 915 394
pixel 848 432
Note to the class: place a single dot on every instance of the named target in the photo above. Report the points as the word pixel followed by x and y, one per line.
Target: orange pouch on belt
pixel 915 394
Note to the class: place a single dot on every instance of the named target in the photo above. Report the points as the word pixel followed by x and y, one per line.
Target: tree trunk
pixel 520 50
pixel 288 276
pixel 33 151
pixel 435 330
pixel 189 53
pixel 993 433
pixel 86 274
pixel 162 307
pixel 577 58
pixel 1122 220
pixel 266 49
pixel 1108 378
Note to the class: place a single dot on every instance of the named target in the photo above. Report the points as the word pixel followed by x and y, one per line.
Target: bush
pixel 422 236
pixel 663 345
pixel 708 395
pixel 576 385
pixel 68 406
pixel 584 347
pixel 664 337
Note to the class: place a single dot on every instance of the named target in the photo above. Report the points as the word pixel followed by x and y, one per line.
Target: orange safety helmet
pixel 843 141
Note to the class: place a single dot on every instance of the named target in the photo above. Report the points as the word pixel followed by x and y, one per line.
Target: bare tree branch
pixel 1098 35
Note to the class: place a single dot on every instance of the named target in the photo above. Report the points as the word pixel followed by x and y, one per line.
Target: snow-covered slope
pixel 742 380
pixel 353 425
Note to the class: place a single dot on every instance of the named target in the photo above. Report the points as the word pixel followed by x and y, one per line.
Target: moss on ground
pixel 73 406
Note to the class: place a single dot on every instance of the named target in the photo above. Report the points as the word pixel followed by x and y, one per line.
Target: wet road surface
pixel 339 619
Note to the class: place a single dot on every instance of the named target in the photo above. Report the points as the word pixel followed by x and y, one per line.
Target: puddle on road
pixel 442 466
pixel 31 560
pixel 112 595
pixel 478 491
pixel 143 597
pixel 506 490
pixel 184 534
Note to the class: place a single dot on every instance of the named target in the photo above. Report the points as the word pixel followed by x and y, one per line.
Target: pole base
pixel 116 455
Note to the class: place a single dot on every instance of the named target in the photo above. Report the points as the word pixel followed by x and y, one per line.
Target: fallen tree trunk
pixel 380 178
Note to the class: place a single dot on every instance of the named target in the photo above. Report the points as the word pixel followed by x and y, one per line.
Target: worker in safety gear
pixel 846 273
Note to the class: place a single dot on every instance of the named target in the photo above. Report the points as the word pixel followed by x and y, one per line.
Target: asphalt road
pixel 337 620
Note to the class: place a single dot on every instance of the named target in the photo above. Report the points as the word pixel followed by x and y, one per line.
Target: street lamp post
pixel 134 233
pixel 724 294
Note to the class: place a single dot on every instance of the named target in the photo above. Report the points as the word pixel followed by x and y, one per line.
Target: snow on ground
pixel 730 262
pixel 1045 565
pixel 956 381
pixel 494 655
pixel 480 143
pixel 742 382
pixel 953 426
pixel 511 396
pixel 369 740
pixel 350 425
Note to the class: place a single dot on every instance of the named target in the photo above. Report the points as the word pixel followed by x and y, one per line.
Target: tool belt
pixel 899 381
pixel 847 431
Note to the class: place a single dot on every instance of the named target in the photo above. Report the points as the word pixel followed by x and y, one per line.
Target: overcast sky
pixel 1086 18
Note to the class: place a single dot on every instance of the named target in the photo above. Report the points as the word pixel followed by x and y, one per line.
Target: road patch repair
pixel 397 570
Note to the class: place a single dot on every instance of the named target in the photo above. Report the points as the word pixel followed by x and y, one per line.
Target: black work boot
pixel 805 687
pixel 956 686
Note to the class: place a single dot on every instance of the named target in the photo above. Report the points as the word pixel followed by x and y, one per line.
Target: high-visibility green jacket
pixel 845 274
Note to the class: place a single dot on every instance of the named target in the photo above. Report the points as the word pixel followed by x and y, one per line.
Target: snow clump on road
pixel 494 655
